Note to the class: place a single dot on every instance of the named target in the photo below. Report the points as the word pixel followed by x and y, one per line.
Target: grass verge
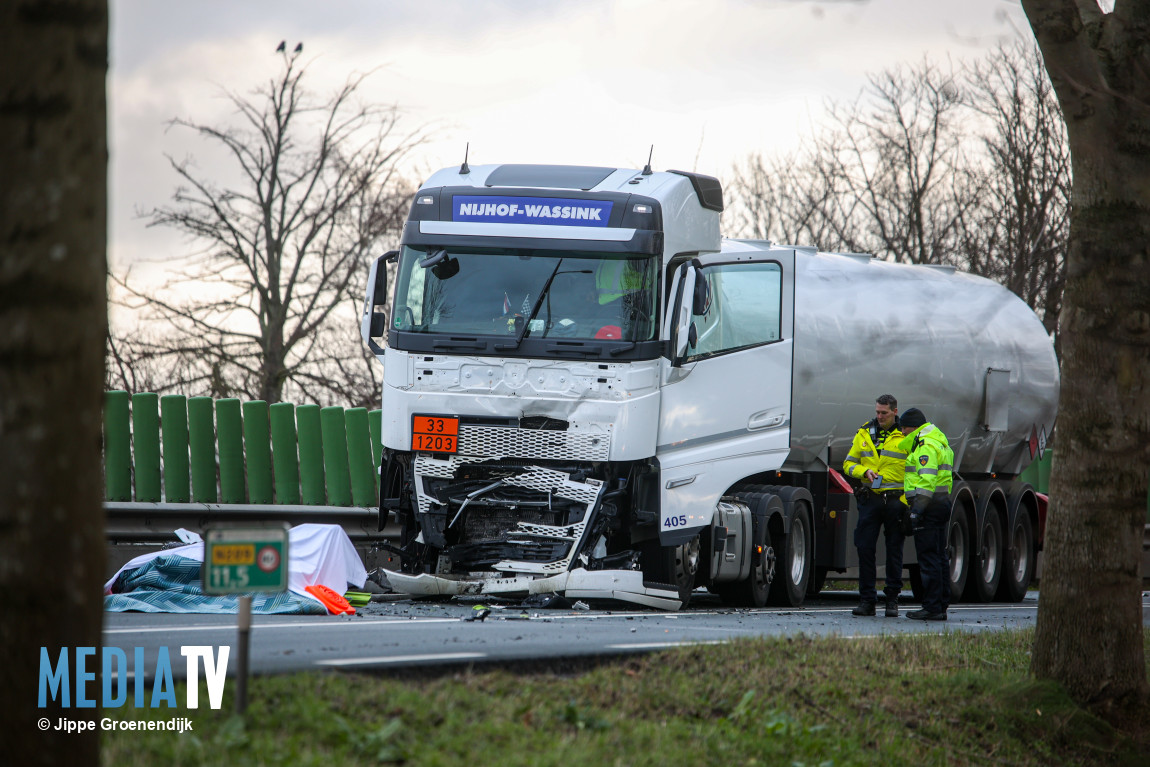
pixel 955 699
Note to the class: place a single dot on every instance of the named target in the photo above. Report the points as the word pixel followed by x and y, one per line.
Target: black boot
pixel 926 615
pixel 892 607
pixel 864 608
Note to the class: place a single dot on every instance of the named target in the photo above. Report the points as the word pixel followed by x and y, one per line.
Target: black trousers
pixel 877 511
pixel 934 557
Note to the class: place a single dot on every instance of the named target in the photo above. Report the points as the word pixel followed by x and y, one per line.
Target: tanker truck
pixel 587 391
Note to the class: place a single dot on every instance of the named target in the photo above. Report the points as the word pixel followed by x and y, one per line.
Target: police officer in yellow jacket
pixel 876 461
pixel 927 481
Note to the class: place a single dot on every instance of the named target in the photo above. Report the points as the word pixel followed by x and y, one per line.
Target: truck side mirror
pixel 701 300
pixel 374 324
pixel 684 301
pixel 446 270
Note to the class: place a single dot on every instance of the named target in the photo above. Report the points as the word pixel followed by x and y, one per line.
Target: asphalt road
pixel 401 634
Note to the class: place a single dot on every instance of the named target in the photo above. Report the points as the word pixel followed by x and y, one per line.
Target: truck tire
pixel 674 566
pixel 754 591
pixel 958 544
pixel 986 570
pixel 1019 560
pixel 795 560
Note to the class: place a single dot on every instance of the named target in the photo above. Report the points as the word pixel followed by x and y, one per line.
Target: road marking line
pixel 400 659
pixel 313 624
pixel 417 620
pixel 661 645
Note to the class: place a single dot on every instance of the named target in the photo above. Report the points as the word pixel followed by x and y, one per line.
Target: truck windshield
pixel 526 294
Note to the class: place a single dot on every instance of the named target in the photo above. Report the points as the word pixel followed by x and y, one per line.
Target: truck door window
pixel 745 309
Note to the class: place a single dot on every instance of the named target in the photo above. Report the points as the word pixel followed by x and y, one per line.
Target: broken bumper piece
pixel 623 585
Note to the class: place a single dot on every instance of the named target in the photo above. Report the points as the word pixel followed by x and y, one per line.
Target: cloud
pixel 593 82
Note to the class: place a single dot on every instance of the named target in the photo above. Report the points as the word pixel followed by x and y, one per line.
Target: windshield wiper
pixel 522 331
pixel 433 259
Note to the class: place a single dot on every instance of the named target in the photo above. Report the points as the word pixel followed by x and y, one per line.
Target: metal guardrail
pixel 134 522
pixel 153 524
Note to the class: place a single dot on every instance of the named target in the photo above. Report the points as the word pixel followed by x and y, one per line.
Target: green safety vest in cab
pixel 615 278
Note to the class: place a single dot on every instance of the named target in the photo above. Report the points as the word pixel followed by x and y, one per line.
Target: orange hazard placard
pixel 435 433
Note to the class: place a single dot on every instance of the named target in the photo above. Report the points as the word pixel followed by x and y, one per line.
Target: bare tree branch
pixel 268 304
pixel 968 168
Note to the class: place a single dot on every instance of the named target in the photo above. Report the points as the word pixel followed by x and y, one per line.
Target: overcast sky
pixel 595 82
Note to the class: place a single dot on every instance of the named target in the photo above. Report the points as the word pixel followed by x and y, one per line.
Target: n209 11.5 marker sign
pixel 240 560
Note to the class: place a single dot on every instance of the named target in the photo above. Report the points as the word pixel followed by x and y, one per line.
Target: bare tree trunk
pixel 53 211
pixel 1089 634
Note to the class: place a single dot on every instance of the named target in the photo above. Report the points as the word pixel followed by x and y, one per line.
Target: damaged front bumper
pixel 579 583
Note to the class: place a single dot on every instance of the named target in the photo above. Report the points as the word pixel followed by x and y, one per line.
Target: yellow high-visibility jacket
pixel 929 462
pixel 887 459
pixel 615 278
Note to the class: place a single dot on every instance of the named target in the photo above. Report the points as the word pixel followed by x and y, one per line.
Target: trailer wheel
pixel 985 576
pixel 796 558
pixel 1018 567
pixel 958 545
pixel 672 565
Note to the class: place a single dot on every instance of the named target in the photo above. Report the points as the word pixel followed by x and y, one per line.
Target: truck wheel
pixel 754 591
pixel 672 565
pixel 984 577
pixel 1018 563
pixel 958 545
pixel 796 559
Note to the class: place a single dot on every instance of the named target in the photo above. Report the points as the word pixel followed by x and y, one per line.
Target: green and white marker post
pixel 242 560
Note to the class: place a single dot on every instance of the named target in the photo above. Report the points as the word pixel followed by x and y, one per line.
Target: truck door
pixel 725 405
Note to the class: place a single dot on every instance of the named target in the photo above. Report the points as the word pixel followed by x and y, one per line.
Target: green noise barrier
pixel 334 431
pixel 117 447
pixel 279 454
pixel 202 442
pixel 258 450
pixel 174 426
pixel 146 445
pixel 1038 475
pixel 177 449
pixel 229 436
pixel 359 457
pixel 313 486
pixel 374 427
pixel 285 459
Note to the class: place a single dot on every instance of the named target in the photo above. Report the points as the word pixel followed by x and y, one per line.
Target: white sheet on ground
pixel 317 554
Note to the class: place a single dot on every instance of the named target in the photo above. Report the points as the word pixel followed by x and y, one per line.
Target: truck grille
pixel 537 444
pixel 540 479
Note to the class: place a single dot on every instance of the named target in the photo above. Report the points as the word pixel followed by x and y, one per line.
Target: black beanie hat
pixel 911 419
